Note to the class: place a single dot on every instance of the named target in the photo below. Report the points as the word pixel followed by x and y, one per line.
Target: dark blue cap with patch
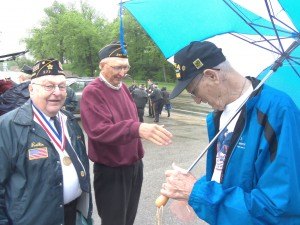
pixel 115 49
pixel 192 60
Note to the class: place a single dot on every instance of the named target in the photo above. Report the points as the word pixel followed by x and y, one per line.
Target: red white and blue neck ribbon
pixel 58 140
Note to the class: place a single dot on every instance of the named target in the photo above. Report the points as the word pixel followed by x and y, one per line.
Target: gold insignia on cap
pixel 177 71
pixel 198 64
pixel 49 67
pixel 183 68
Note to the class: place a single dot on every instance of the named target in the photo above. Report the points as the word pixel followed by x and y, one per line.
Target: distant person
pixel 44 176
pixel 140 98
pixel 71 100
pixel 157 101
pixel 18 94
pixel 142 86
pixel 149 90
pixel 167 103
pixel 253 168
pixel 6 84
pixel 132 87
pixel 109 117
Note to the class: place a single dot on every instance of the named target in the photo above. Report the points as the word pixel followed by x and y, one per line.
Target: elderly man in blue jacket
pixel 253 169
pixel 44 176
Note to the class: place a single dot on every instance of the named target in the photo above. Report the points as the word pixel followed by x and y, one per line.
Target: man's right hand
pixel 155 133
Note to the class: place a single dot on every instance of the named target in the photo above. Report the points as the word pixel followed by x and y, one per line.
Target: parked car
pixel 78 84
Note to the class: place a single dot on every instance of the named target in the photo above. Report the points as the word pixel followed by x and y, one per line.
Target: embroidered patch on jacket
pixel 37 153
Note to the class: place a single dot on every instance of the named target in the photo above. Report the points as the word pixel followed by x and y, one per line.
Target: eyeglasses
pixel 120 68
pixel 52 87
pixel 193 91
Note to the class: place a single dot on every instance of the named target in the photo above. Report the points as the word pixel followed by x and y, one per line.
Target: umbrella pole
pixel 162 200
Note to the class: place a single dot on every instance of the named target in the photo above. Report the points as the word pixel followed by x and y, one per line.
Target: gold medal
pixel 67 161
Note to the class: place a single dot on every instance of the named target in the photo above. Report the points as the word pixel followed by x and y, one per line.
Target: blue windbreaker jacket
pixel 260 181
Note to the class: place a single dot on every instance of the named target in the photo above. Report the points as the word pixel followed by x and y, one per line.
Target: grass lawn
pixel 169 86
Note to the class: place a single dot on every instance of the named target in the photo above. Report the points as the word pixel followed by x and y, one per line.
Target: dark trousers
pixel 151 108
pixel 117 192
pixel 157 108
pixel 70 213
pixel 141 112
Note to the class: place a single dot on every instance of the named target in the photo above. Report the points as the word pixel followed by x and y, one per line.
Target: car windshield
pixel 78 86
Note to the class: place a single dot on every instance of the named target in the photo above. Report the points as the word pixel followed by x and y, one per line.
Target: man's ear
pixel 30 88
pixel 101 64
pixel 211 74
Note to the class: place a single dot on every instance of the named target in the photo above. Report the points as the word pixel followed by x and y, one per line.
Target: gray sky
pixel 17 17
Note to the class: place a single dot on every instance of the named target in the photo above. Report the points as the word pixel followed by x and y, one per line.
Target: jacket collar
pixel 24 114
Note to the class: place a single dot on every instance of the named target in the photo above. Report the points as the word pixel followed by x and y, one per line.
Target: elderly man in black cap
pixel 44 168
pixel 110 119
pixel 253 169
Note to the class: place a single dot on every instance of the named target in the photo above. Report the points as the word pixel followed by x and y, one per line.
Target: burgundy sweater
pixel 109 117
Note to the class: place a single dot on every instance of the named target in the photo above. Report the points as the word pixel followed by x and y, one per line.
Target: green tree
pixel 74 37
pixel 146 59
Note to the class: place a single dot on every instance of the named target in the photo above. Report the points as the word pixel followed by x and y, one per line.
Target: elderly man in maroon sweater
pixel 109 117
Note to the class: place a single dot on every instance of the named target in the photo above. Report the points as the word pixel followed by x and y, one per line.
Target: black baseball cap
pixel 192 60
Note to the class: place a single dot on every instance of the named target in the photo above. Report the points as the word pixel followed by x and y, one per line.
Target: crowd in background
pixel 14 94
pixel 157 99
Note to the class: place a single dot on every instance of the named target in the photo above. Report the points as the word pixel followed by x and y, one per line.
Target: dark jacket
pixel 166 95
pixel 14 97
pixel 31 191
pixel 71 100
pixel 140 98
pixel 156 96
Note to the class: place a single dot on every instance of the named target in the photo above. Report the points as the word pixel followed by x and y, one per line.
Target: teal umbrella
pixel 173 24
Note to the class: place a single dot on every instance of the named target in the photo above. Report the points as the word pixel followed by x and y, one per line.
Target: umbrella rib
pixel 253 42
pixel 269 28
pixel 273 24
pixel 286 25
pixel 250 25
pixel 293 67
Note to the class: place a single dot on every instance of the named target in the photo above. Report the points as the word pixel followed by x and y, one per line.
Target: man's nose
pixel 123 72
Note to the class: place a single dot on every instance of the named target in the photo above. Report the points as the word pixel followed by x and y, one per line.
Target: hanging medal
pixel 58 140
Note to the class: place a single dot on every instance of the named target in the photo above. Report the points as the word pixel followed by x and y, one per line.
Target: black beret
pixel 114 49
pixel 26 69
pixel 47 67
pixel 192 60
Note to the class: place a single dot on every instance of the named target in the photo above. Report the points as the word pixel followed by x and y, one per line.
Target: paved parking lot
pixel 190 138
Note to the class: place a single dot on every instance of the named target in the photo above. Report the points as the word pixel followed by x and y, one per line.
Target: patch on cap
pixel 198 64
pixel 47 67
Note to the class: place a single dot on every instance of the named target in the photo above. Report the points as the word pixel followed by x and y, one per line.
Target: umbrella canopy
pixel 286 78
pixel 173 24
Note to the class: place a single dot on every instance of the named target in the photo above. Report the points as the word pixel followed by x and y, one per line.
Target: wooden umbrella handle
pixel 161 201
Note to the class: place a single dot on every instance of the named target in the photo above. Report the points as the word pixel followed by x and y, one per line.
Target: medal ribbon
pixel 58 140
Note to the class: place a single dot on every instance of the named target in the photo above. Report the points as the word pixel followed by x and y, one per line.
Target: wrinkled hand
pixel 155 133
pixel 179 183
